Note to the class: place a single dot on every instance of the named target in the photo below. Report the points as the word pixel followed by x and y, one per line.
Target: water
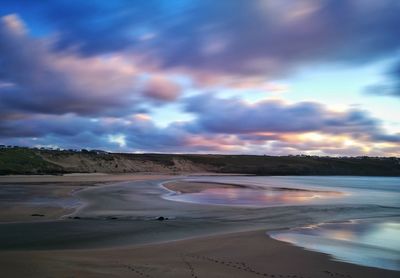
pixel 365 242
pixel 289 191
pixel 255 198
pixel 374 242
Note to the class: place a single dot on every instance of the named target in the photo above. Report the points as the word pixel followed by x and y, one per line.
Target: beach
pixel 200 139
pixel 249 254
pixel 127 227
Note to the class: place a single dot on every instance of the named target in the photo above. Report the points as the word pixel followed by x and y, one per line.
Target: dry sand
pixel 114 233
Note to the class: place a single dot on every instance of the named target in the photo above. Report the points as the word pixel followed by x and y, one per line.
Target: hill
pixel 17 160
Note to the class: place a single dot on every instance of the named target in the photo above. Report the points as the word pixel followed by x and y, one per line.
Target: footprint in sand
pixel 190 266
pixel 333 274
pixel 136 270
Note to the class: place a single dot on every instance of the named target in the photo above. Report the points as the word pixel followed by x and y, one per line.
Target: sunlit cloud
pixel 202 76
pixel 118 139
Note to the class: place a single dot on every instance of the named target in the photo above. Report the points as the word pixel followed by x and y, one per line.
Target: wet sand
pixel 80 177
pixel 46 197
pixel 195 187
pixel 184 186
pixel 115 233
pixel 249 254
pixel 34 202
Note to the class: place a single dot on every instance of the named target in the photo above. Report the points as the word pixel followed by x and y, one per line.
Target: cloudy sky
pixel 319 77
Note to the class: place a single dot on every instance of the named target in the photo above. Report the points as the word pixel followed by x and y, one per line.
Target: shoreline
pixel 213 193
pixel 339 240
pixel 155 247
pixel 247 254
pixel 183 187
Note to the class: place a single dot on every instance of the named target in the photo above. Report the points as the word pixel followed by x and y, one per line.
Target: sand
pixel 47 197
pixel 250 254
pixel 115 233
pixel 195 187
pixel 80 177
pixel 185 186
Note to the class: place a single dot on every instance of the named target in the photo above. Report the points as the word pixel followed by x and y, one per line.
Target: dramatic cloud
pixel 260 36
pixel 43 81
pixel 35 78
pixel 236 116
pixel 135 133
pixel 222 125
pixel 200 75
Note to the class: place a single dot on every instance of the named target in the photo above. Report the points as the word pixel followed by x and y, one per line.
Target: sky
pixel 313 77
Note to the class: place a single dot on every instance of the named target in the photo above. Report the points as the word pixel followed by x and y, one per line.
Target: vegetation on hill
pixel 303 165
pixel 17 160
pixel 21 161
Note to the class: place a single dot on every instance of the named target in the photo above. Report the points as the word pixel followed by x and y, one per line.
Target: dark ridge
pixel 21 160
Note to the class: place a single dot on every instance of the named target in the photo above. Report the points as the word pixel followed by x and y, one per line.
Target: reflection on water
pixel 255 197
pixel 369 242
pixel 372 243
pixel 283 191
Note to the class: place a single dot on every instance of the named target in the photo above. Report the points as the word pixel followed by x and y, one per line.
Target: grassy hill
pixel 34 161
pixel 25 161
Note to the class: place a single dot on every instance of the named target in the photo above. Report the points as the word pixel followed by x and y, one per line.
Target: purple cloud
pixel 34 78
pixel 93 79
pixel 234 116
pixel 230 36
pixel 161 89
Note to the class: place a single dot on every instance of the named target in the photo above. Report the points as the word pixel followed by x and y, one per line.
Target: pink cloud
pixel 162 89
